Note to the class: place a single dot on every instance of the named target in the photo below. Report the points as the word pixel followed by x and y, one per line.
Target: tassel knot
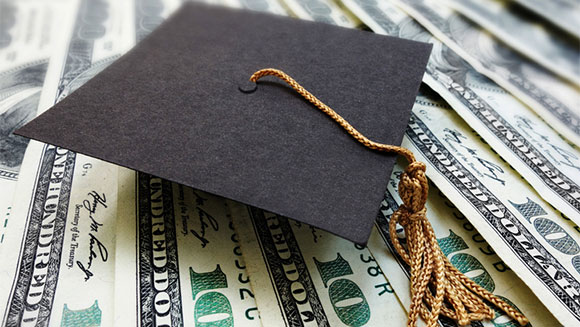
pixel 405 216
pixel 414 187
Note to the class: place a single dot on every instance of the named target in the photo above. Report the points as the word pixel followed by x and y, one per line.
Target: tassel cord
pixel 437 287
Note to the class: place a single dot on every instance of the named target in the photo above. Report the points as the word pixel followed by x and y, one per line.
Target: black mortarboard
pixel 172 107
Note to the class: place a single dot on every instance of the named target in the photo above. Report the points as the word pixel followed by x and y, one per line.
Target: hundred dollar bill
pixel 303 276
pixel 271 6
pixel 547 162
pixel 321 11
pixel 225 3
pixel 545 44
pixel 57 262
pixel 178 258
pixel 148 14
pixel 60 271
pixel 557 102
pixel 28 32
pixel 537 242
pixel 460 241
pixel 562 13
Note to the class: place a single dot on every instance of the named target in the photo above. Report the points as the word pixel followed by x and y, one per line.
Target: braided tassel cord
pixel 437 287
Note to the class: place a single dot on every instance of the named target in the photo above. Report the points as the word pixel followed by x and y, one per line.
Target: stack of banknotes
pixel 497 122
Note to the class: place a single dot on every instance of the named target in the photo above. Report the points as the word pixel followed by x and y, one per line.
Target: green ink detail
pixel 467 263
pixel 529 209
pixel 214 306
pixel 575 263
pixel 332 269
pixel 556 236
pixel 452 243
pixel 356 314
pixel 90 317
pixel 207 281
pixel 502 320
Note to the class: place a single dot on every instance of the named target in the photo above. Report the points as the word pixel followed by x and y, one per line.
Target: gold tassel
pixel 430 269
pixel 437 287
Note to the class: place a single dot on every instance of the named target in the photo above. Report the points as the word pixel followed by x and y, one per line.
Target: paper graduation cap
pixel 172 107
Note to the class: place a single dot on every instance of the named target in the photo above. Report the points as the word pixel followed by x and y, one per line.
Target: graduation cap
pixel 179 106
pixel 172 107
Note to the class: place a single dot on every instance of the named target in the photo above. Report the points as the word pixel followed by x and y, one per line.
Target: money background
pixel 87 243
